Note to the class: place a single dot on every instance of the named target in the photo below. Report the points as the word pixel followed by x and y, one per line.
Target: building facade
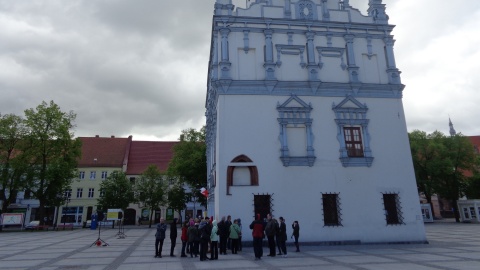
pixel 305 120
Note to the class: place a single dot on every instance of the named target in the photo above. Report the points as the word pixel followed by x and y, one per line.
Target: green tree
pixel 441 164
pixel 460 158
pixel 177 198
pixel 151 189
pixel 12 165
pixel 51 152
pixel 189 161
pixel 117 192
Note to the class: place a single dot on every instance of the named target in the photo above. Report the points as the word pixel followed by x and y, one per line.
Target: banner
pixel 11 219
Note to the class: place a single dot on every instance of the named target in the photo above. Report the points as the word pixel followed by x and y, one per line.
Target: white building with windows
pixel 305 120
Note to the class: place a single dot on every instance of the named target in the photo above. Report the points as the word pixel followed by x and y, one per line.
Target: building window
pixel 242 172
pixel 91 192
pixel 104 175
pixel 132 181
pixel 393 210
pixel 102 193
pixel 353 141
pixel 352 133
pixel 79 192
pixel 331 210
pixel 67 193
pixel 296 135
pixel 93 175
pixel 81 175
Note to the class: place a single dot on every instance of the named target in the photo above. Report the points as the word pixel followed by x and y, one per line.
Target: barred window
pixel 331 210
pixel 393 211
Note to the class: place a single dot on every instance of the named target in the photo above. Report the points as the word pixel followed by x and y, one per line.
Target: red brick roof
pixel 144 153
pixel 104 152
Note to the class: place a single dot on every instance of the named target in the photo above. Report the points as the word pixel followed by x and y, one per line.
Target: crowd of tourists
pixel 202 236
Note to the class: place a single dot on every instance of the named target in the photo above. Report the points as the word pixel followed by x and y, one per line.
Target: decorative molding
pixel 350 112
pixel 331 52
pixel 306 10
pixel 298 115
pixel 290 50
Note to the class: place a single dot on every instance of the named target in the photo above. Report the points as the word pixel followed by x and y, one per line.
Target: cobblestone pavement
pixel 451 246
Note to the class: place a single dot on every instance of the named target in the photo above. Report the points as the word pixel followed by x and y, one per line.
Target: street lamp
pixel 67 200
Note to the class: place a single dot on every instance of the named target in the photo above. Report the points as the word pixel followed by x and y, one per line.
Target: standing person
pixel 282 236
pixel 192 234
pixel 296 234
pixel 223 232
pixel 160 237
pixel 214 241
pixel 257 232
pixel 234 235
pixel 240 235
pixel 205 233
pixel 229 224
pixel 196 242
pixel 270 231
pixel 173 236
pixel 184 238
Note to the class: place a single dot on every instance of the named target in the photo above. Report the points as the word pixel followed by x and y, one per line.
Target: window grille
pixel 331 210
pixel 393 209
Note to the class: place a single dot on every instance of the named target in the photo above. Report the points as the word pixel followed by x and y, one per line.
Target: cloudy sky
pixel 138 67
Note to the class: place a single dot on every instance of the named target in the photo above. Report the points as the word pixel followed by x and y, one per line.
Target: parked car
pixel 32 225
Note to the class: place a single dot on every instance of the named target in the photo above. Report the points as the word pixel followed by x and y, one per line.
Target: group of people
pixel 276 234
pixel 201 235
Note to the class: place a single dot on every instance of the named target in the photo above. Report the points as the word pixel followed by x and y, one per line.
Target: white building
pixel 305 120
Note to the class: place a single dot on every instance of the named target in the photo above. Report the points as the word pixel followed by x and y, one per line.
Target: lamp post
pixel 67 200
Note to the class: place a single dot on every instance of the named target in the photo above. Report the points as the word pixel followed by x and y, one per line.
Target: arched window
pixel 241 172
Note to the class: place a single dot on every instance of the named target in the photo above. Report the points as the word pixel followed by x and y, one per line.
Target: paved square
pixel 451 245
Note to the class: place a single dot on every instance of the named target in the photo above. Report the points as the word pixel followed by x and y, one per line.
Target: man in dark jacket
pixel 257 232
pixel 223 232
pixel 173 236
pixel 205 231
pixel 160 237
pixel 270 231
pixel 282 237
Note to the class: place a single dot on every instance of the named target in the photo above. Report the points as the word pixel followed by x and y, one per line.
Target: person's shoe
pixel 171 255
pixel 159 256
pixel 279 254
pixel 183 256
pixel 298 250
pixel 269 255
pixel 156 256
pixel 285 255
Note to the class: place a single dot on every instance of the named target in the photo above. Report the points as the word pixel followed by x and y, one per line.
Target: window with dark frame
pixel 331 210
pixel 353 141
pixel 393 212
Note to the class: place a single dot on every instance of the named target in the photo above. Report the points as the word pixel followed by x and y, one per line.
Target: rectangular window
pixel 90 192
pixel 393 213
pixel 104 175
pixel 67 193
pixel 93 175
pixel 79 192
pixel 102 193
pixel 331 210
pixel 81 175
pixel 353 141
pixel 132 181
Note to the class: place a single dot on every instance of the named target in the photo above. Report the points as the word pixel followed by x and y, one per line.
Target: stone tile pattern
pixel 451 246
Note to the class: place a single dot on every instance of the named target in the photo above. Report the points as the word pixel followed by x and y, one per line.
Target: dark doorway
pixel 262 205
pixel 130 217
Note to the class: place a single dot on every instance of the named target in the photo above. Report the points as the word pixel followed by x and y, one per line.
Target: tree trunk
pixel 151 217
pixel 455 211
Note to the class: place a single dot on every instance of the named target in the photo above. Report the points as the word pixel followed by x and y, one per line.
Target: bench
pixel 65 226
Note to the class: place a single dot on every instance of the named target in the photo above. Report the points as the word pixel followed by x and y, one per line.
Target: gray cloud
pixel 139 67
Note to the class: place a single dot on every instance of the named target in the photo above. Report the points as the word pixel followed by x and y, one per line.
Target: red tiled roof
pixel 104 152
pixel 475 141
pixel 144 153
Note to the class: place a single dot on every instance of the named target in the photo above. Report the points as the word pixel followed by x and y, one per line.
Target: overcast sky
pixel 138 67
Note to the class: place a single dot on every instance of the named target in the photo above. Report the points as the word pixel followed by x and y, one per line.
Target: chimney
pixel 113 136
